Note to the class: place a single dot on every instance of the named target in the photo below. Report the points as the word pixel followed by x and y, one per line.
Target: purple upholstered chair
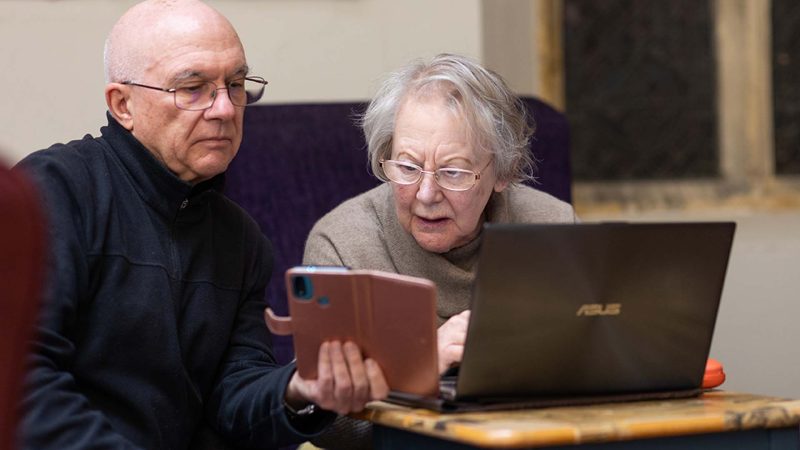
pixel 297 162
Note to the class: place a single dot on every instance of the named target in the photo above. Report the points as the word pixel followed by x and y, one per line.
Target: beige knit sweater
pixel 363 233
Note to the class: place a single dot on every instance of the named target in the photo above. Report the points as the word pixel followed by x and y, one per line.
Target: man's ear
pixel 119 104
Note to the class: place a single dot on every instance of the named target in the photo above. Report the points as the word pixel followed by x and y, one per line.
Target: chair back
pixel 297 162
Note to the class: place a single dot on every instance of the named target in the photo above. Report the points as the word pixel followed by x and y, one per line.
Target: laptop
pixel 588 313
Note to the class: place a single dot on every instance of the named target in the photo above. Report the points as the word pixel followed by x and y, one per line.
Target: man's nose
pixel 222 106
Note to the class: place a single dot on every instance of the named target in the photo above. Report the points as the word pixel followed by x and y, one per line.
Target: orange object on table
pixel 714 375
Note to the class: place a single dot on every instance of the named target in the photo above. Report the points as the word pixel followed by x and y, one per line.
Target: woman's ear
pixel 500 185
pixel 119 104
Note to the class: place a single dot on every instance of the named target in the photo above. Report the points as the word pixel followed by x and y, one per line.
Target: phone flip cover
pixel 391 317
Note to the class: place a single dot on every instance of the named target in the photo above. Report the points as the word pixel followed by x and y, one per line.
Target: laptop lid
pixel 593 309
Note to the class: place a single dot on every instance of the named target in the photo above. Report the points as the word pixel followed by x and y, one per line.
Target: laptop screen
pixel 593 308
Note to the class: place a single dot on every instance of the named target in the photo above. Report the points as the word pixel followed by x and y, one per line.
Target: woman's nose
pixel 429 190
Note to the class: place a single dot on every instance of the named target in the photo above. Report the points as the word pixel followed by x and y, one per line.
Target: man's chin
pixel 209 151
pixel 210 169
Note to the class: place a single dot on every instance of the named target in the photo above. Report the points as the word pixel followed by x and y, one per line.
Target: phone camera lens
pixel 302 287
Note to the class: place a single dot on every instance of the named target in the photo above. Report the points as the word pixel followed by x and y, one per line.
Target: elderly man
pixel 152 324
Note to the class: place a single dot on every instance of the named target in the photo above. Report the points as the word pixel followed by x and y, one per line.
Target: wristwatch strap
pixel 302 412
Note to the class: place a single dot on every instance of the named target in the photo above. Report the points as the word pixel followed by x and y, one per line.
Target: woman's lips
pixel 430 223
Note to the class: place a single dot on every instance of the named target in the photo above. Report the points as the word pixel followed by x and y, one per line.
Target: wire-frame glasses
pixel 450 178
pixel 200 95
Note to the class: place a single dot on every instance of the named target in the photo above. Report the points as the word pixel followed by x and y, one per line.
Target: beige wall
pixel 309 50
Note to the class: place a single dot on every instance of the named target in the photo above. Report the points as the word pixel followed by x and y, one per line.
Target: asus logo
pixel 598 309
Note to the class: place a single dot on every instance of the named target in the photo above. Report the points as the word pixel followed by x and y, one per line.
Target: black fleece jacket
pixel 152 325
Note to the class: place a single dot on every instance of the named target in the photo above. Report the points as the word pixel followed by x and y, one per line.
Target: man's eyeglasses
pixel 450 178
pixel 200 95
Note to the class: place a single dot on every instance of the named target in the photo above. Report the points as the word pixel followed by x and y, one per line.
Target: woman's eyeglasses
pixel 450 178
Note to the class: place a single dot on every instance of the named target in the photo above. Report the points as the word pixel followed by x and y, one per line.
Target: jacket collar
pixel 157 186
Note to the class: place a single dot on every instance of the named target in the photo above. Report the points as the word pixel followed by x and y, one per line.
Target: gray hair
pixel 496 118
pixel 119 66
pixel 123 58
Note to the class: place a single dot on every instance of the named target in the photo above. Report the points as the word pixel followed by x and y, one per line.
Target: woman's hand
pixel 451 336
pixel 345 381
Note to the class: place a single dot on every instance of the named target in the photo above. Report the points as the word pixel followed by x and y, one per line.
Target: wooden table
pixel 717 419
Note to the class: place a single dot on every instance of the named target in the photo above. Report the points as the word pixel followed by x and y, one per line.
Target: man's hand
pixel 451 336
pixel 345 381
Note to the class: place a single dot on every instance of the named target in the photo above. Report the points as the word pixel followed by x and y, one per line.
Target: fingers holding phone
pixel 345 380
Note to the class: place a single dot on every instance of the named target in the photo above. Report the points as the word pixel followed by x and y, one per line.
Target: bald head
pixel 132 47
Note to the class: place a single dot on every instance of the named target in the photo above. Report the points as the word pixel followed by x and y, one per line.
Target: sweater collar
pixel 159 187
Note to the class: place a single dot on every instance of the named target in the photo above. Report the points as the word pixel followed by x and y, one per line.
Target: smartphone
pixel 391 317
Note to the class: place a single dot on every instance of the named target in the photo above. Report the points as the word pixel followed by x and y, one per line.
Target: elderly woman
pixel 451 141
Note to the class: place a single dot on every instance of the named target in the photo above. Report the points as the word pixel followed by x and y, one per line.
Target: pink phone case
pixel 391 317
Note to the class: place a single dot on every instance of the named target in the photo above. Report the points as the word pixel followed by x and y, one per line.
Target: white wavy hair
pixel 497 121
